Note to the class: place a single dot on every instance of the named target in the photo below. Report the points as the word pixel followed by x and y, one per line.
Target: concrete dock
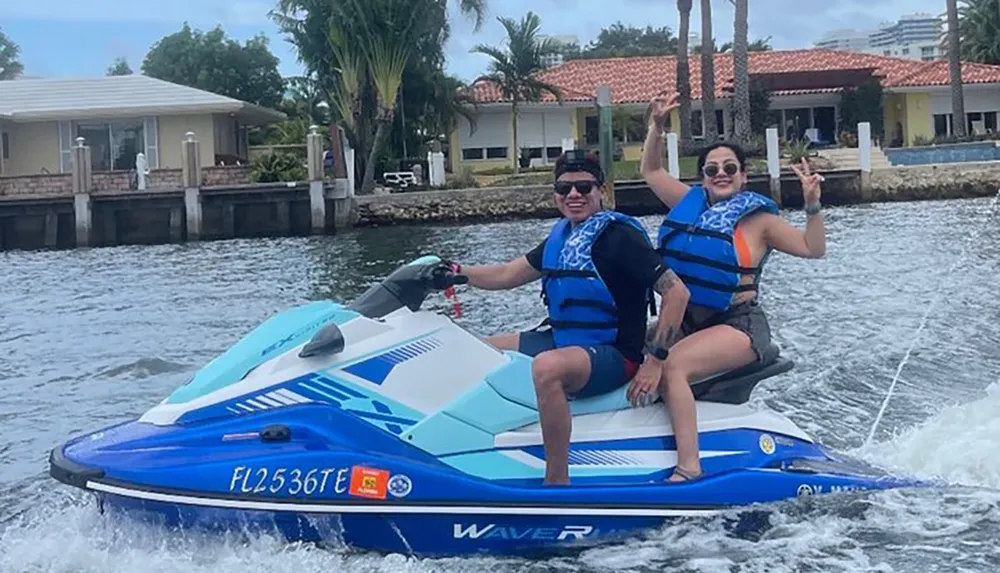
pixel 81 209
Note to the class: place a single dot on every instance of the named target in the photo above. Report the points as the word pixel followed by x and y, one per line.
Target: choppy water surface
pixel 93 337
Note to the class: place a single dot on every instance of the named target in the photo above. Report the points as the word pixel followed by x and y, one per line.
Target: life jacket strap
pixel 567 273
pixel 716 286
pixel 693 230
pixel 583 325
pixel 585 302
pixel 680 255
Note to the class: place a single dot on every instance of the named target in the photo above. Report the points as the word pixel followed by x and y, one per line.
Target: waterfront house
pixel 805 86
pixel 118 116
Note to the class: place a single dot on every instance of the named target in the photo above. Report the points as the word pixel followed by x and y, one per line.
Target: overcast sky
pixel 82 37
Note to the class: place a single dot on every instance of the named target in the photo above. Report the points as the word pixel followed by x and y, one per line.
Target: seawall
pixel 905 183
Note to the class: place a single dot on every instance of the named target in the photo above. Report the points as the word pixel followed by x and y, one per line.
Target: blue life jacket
pixel 581 308
pixel 696 242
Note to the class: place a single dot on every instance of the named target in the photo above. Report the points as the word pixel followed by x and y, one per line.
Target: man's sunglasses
pixel 582 187
pixel 730 168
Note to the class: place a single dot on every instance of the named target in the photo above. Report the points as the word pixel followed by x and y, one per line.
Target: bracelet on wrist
pixel 813 208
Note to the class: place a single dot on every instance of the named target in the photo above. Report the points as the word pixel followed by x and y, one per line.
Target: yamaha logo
pixel 766 444
pixel 804 490
pixel 400 485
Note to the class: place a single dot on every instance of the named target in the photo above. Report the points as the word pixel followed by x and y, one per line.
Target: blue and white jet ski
pixel 387 428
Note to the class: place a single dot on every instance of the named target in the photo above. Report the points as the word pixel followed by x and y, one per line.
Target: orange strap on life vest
pixel 743 255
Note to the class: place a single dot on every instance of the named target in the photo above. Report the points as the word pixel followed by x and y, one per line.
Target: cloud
pixel 201 12
pixel 789 23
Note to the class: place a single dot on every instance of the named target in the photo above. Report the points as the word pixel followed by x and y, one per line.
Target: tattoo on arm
pixel 666 280
pixel 668 326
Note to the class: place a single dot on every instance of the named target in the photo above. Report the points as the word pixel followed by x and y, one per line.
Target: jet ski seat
pixel 732 387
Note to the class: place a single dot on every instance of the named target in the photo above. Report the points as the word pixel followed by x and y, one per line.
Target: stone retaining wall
pixel 930 182
pixel 60 184
pixel 456 205
pixel 41 185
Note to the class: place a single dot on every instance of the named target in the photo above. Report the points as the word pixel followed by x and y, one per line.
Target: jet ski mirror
pixel 329 340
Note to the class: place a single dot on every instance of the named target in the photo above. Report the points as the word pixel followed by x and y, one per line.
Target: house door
pixel 826 123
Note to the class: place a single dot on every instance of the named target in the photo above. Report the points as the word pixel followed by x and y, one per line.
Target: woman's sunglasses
pixel 582 187
pixel 730 168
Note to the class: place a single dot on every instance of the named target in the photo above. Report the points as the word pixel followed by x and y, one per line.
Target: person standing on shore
pixel 716 237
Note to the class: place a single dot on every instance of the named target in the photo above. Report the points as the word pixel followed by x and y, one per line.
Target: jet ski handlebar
pixel 408 286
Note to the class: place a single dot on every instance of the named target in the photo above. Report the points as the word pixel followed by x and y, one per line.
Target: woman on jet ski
pixel 716 238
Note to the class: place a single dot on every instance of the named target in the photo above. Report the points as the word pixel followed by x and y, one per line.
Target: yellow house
pixel 118 117
pixel 805 88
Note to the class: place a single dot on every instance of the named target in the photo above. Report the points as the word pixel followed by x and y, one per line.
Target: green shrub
pixel 277 168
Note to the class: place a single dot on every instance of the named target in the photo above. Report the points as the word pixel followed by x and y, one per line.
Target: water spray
pixel 923 323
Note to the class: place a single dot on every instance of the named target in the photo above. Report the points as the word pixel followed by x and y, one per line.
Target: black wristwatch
pixel 658 353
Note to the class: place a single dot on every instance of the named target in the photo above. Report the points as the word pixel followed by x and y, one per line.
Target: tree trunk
pixel 741 76
pixel 517 149
pixel 368 184
pixel 336 147
pixel 684 76
pixel 708 74
pixel 955 69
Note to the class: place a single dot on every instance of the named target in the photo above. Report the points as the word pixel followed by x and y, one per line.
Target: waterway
pixel 93 337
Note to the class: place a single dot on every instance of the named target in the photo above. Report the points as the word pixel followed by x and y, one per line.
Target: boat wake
pixel 958 445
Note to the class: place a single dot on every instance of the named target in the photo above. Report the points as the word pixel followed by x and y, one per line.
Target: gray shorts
pixel 747 317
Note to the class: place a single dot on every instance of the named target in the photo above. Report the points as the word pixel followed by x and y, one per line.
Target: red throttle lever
pixel 449 293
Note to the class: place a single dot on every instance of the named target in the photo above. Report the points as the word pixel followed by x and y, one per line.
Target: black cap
pixel 579 160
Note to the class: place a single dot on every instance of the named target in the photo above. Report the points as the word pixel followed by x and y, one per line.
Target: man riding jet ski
pixel 598 268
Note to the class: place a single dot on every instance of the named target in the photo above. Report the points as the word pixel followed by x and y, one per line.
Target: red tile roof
pixel 637 80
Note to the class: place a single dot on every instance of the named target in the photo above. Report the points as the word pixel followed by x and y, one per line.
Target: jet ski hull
pixel 392 504
pixel 386 428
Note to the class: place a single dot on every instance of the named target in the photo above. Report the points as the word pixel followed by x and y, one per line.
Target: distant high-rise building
pixel 566 44
pixel 847 40
pixel 913 36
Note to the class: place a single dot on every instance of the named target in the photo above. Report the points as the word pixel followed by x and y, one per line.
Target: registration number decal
pixel 294 481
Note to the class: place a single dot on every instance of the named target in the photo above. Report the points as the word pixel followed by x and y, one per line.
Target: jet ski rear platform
pixel 387 428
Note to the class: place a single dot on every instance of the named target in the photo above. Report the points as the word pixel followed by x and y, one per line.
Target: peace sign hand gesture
pixel 810 182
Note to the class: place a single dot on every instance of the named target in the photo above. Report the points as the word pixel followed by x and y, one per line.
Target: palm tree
pixel 741 75
pixel 684 75
pixel 514 70
pixel 708 73
pixel 358 50
pixel 978 25
pixel 955 69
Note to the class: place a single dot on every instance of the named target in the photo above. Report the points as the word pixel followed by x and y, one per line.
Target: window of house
pixel 990 119
pixel 592 129
pixel 553 152
pixel 113 145
pixel 942 124
pixel 472 153
pixel 697 124
pixel 496 153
